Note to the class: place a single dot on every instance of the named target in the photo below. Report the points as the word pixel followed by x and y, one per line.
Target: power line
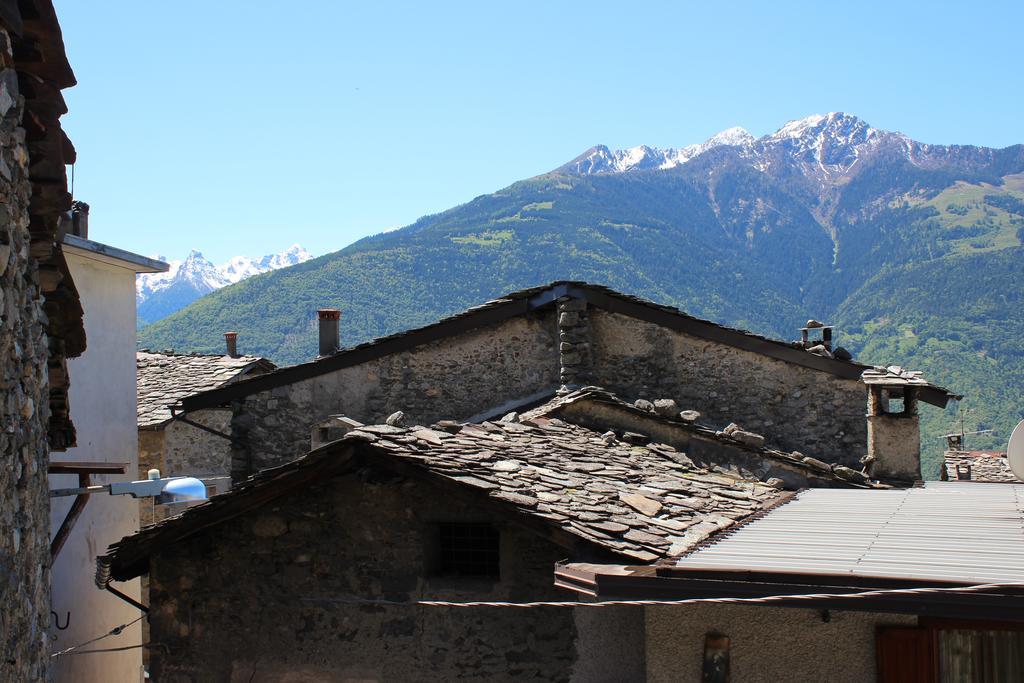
pixel 113 649
pixel 684 601
pixel 116 631
pixel 978 588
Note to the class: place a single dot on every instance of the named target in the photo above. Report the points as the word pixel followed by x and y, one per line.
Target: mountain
pixel 912 250
pixel 157 295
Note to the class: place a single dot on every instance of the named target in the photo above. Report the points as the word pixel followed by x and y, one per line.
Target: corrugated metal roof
pixel 946 531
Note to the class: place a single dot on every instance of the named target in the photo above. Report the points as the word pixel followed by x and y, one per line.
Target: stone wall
pixel 795 408
pixel 24 515
pixel 262 596
pixel 766 643
pixel 178 449
pixel 452 378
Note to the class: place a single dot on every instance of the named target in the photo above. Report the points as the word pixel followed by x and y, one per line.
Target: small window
pixel 895 401
pixel 468 549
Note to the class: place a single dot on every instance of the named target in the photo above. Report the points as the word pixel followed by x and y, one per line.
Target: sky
pixel 241 127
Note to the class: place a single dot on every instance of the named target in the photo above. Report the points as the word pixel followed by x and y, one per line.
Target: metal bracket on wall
pixel 83 470
pixel 180 417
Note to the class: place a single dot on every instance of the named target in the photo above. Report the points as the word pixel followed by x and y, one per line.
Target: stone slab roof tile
pixel 986 466
pixel 639 504
pixel 814 468
pixel 165 378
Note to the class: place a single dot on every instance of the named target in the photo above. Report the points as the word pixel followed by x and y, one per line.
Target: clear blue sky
pixel 240 127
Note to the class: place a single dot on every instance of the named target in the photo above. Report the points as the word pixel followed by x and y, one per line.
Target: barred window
pixel 468 549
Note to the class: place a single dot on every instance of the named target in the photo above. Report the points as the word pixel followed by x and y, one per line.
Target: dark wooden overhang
pixel 42 69
pixel 663 582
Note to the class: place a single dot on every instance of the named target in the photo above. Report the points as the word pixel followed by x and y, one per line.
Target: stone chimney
pixel 330 330
pixel 231 341
pixel 894 436
pixel 573 343
pixel 80 219
pixel 826 335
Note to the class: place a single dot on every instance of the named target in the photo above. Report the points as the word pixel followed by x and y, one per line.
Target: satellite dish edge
pixel 1015 451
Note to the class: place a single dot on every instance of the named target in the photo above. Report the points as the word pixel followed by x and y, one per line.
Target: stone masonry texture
pixel 272 586
pixel 24 411
pixel 794 407
pixel 450 378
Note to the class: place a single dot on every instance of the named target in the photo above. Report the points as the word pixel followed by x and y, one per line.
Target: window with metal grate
pixel 468 549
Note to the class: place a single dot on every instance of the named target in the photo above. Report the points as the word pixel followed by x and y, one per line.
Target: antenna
pixel 1015 451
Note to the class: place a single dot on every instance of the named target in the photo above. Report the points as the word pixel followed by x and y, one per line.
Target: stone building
pixel 559 457
pixel 41 320
pixel 187 447
pixel 334 546
pixel 986 466
pixel 523 348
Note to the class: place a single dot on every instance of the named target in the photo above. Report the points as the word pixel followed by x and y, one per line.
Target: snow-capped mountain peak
pixel 825 146
pixel 599 159
pixel 834 127
pixel 735 136
pixel 160 294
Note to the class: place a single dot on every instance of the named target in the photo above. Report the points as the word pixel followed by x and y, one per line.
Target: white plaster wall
pixel 103 408
pixel 770 644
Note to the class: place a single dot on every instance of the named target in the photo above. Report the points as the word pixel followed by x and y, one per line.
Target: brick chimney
pixel 231 341
pixel 330 324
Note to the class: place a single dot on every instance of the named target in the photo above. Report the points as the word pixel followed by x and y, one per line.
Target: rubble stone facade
pixel 794 407
pixel 24 407
pixel 454 377
pixel 273 586
pixel 535 354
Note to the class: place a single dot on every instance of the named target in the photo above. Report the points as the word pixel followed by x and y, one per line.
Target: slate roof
pixel 642 503
pixel 813 468
pixel 523 301
pixel 166 378
pixel 988 466
pixel 896 376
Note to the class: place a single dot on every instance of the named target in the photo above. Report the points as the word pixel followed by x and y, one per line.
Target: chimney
pixel 330 322
pixel 80 219
pixel 826 335
pixel 231 340
pixel 894 436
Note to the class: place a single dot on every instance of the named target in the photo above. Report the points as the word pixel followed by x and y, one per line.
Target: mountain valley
pixel 912 250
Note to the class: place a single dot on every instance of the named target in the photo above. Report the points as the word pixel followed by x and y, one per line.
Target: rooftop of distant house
pixel 165 377
pixel 815 356
pixel 984 466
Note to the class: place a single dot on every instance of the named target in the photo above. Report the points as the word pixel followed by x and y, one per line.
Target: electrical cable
pixel 116 631
pixel 571 603
pixel 684 601
pixel 113 649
